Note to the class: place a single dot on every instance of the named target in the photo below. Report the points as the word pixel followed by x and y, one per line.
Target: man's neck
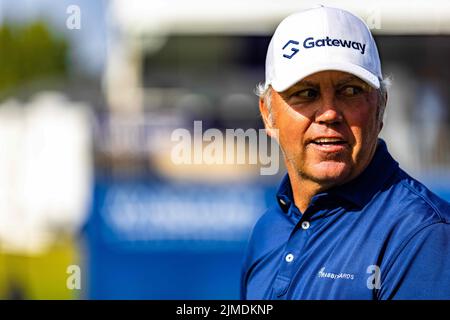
pixel 303 190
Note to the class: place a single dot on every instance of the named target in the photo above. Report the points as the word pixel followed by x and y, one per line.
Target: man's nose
pixel 328 112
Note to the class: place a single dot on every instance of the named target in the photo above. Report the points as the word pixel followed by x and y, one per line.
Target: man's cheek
pixel 289 135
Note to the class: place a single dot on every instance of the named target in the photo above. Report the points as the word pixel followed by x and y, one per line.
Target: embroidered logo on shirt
pixel 323 274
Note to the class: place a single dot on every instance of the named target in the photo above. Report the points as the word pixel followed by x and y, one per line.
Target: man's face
pixel 327 126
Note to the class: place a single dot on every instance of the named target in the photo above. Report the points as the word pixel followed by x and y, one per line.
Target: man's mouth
pixel 329 141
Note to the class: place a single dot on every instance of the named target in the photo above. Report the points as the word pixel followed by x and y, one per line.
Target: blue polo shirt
pixel 381 236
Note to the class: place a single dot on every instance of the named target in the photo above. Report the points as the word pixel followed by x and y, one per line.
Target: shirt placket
pixel 292 255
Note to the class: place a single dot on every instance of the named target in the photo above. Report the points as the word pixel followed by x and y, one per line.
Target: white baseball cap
pixel 321 39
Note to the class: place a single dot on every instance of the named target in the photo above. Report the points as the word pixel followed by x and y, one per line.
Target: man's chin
pixel 329 172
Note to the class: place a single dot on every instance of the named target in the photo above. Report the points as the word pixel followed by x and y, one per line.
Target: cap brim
pixel 296 75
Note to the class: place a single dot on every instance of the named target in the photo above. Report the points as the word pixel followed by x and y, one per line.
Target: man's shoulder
pixel 419 238
pixel 412 197
pixel 404 210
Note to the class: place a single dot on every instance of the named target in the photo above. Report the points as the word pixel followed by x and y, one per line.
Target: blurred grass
pixel 41 276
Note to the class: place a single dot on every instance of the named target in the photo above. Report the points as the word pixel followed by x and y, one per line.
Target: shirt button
pixel 305 225
pixel 289 257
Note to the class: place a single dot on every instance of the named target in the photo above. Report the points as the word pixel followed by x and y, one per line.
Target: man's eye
pixel 307 94
pixel 350 91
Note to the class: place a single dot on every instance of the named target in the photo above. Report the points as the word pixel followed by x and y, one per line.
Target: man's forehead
pixel 337 78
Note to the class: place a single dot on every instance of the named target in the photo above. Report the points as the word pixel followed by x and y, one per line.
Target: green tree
pixel 28 53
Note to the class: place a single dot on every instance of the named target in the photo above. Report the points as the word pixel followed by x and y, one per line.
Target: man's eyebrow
pixel 302 83
pixel 347 80
pixel 306 83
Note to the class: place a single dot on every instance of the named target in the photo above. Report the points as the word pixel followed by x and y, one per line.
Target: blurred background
pixel 92 205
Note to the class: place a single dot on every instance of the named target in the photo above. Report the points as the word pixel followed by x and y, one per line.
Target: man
pixel 348 223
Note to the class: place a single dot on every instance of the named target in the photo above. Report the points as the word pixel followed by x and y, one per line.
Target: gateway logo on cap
pixel 329 39
pixel 294 50
pixel 311 43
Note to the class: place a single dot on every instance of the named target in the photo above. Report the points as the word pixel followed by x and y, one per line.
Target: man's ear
pixel 267 118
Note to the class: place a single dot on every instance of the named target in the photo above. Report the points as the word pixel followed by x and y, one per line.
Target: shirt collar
pixel 284 195
pixel 360 190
